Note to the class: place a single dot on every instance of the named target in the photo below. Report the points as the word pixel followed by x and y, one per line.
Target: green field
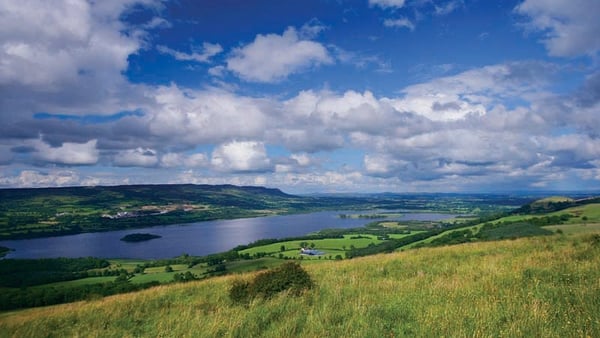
pixel 331 247
pixel 580 214
pixel 583 219
pixel 79 282
pixel 531 287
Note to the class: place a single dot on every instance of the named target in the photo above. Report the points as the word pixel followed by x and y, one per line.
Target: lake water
pixel 197 239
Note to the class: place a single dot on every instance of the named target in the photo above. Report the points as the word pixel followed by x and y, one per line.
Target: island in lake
pixel 139 237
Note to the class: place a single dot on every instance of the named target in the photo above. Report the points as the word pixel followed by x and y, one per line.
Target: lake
pixel 197 239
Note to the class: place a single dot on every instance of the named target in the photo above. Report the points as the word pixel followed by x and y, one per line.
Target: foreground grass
pixel 532 287
pixel 571 229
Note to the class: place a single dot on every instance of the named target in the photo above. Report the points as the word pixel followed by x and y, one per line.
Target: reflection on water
pixel 197 239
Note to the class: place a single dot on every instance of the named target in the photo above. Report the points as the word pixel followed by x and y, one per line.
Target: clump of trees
pixel 17 273
pixel 290 277
pixel 30 297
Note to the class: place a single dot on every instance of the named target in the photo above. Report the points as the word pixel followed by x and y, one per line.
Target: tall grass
pixel 534 287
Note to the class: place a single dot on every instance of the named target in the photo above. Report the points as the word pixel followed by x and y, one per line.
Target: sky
pixel 306 96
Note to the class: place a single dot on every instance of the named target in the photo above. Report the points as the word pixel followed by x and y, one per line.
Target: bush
pixel 290 276
pixel 240 292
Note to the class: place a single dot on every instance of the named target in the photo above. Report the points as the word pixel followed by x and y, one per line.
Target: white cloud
pixel 399 23
pixel 138 157
pixel 202 55
pixel 157 22
pixel 474 92
pixel 311 29
pixel 419 9
pixel 241 156
pixel 217 71
pixel 48 43
pixel 210 116
pixel 349 111
pixel 448 7
pixel 172 160
pixel 272 57
pixel 302 159
pixel 570 27
pixel 299 162
pixel 68 153
pixel 376 165
pixel 33 178
pixel 387 3
pixel 61 52
pixel 39 42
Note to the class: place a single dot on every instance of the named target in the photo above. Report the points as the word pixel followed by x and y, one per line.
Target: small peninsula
pixel 137 237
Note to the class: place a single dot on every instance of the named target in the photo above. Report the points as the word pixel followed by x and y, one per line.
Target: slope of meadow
pixel 534 287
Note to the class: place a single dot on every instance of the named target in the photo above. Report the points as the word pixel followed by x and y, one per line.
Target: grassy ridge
pixel 541 286
pixel 582 218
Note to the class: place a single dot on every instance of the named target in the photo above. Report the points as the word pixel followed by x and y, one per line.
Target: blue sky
pixel 307 96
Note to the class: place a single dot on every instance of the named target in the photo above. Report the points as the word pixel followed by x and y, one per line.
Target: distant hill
pixel 157 193
pixel 27 213
pixel 554 203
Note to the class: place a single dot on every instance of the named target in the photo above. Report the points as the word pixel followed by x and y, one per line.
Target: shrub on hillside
pixel 240 292
pixel 289 277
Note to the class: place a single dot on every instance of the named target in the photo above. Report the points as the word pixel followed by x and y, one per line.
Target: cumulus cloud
pixel 205 116
pixel 318 121
pixel 349 111
pixel 138 157
pixel 241 156
pixel 475 91
pixel 59 53
pixel 37 49
pixel 33 178
pixel 68 153
pixel 383 165
pixel 44 43
pixel 202 55
pixel 299 162
pixel 302 159
pixel 272 57
pixel 569 28
pixel 173 160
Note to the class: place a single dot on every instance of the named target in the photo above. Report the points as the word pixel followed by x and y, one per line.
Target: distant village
pixel 151 211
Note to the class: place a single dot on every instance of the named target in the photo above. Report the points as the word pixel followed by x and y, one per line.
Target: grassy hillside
pixel 531 287
pixel 578 219
pixel 554 203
